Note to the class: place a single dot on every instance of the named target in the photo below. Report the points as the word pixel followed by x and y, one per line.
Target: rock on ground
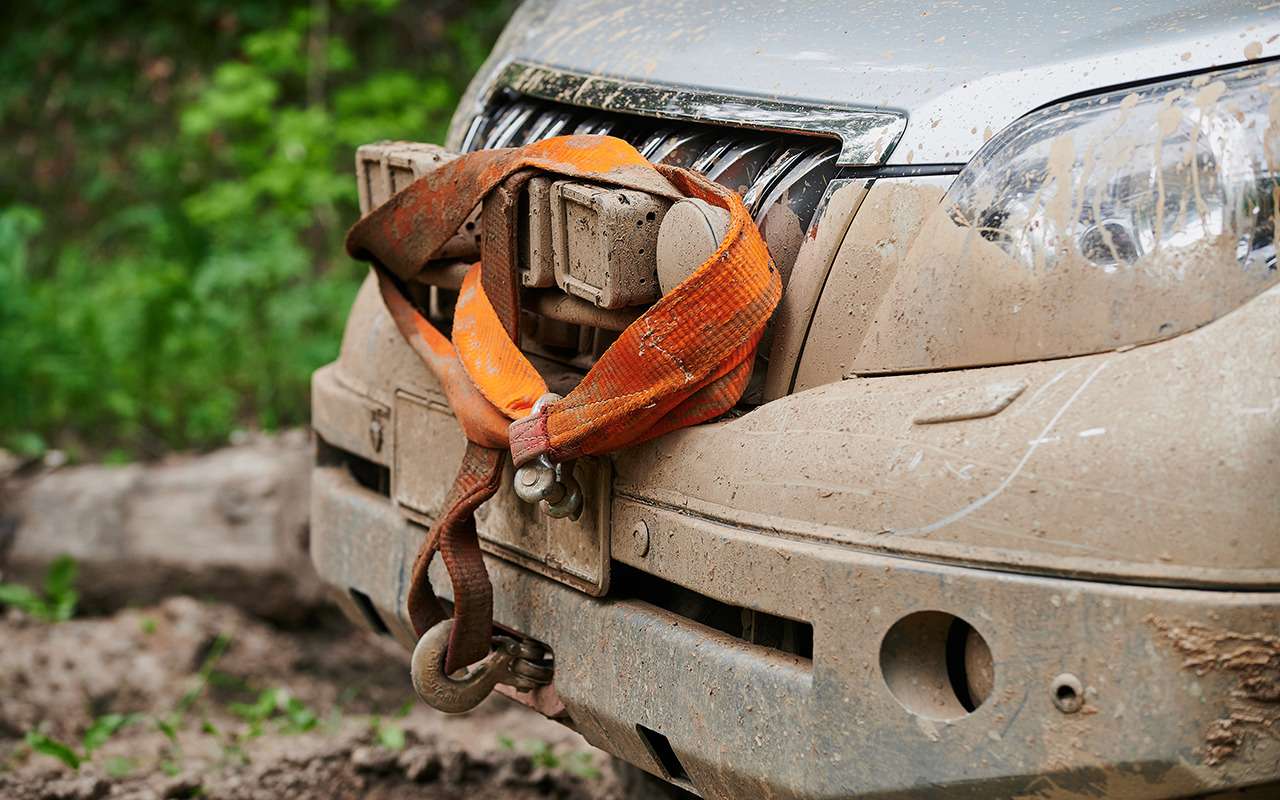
pixel 228 523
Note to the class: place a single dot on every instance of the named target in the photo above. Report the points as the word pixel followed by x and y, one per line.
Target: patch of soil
pixel 230 708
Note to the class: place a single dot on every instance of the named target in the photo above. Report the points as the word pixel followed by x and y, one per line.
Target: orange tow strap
pixel 684 361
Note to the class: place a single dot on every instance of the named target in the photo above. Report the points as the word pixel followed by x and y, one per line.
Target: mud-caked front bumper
pixel 918 656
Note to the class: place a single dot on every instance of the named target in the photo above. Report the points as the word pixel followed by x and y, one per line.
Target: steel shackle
pixel 542 481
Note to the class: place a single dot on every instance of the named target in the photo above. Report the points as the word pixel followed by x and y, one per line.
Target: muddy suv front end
pixel 999 514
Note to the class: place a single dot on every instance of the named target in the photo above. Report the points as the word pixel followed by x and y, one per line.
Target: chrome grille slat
pixel 653 142
pixel 782 161
pixel 739 167
pixel 473 133
pixel 548 124
pixel 709 156
pixel 594 125
pixel 681 149
pixel 790 204
pixel 508 124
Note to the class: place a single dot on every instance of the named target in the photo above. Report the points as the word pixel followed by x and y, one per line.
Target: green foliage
pixel 389 734
pixel 174 200
pixel 103 728
pixel 120 766
pixel 204 676
pixel 275 704
pixel 169 724
pixel 576 762
pixel 95 736
pixel 58 601
pixel 49 746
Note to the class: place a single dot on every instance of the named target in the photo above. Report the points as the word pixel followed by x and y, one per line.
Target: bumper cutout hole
pixel 937 665
pixel 660 748
pixel 756 627
pixel 369 612
pixel 371 476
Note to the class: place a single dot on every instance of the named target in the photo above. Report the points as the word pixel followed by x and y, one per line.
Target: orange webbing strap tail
pixel 685 360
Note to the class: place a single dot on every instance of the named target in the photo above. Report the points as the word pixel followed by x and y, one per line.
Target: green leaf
pixel 22 598
pixel 299 718
pixel 59 588
pixel 120 766
pixel 542 754
pixel 257 711
pixel 103 728
pixel 582 764
pixel 27 444
pixel 204 677
pixel 390 736
pixel 60 576
pixel 49 746
pixel 63 607
pixel 169 730
pixel 117 455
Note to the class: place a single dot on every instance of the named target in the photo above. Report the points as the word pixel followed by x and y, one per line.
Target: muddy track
pixel 219 704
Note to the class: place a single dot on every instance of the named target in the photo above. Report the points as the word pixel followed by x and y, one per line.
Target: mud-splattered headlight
pixel 1111 220
pixel 1124 180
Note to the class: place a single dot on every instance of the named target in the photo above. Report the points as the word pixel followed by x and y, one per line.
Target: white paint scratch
pixel 1030 402
pixel 1091 432
pixel 1260 410
pixel 915 461
pixel 1004 484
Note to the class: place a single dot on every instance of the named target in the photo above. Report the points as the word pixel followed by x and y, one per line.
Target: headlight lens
pixel 1117 178
pixel 1111 220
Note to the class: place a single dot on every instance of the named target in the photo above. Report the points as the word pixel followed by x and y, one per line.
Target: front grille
pixel 781 177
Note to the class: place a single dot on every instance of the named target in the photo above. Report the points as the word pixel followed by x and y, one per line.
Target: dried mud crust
pixel 1251 659
pixel 59 678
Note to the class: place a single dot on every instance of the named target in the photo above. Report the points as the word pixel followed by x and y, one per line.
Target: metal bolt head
pixel 535 481
pixel 375 433
pixel 1067 693
pixel 640 539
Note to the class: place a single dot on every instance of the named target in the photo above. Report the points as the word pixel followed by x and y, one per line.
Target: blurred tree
pixel 173 199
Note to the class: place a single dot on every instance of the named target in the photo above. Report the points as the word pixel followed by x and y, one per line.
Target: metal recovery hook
pixel 520 664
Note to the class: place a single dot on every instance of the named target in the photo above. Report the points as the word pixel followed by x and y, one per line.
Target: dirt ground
pixel 213 703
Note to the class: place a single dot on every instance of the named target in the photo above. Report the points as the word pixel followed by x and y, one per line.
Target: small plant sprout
pixel 580 763
pixel 293 715
pixel 389 734
pixel 95 736
pixel 57 603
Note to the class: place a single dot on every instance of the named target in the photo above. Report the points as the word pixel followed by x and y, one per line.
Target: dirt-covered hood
pixel 960 71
